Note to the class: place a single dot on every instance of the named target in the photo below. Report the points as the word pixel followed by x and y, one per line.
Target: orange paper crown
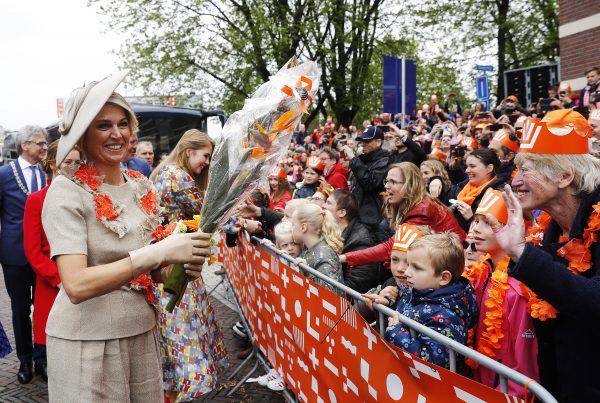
pixel 278 172
pixel 503 137
pixel 493 203
pixel 562 131
pixel 404 236
pixel 315 162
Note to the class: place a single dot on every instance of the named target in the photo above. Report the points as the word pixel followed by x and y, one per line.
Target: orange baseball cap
pixel 563 131
pixel 404 236
pixel 315 162
pixel 278 172
pixel 503 137
pixel 493 203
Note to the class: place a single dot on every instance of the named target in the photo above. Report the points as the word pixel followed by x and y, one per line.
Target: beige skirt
pixel 119 370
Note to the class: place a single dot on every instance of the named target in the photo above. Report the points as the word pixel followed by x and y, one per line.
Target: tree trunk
pixel 503 7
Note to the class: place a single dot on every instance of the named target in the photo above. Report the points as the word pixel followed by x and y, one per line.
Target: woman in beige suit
pixel 101 331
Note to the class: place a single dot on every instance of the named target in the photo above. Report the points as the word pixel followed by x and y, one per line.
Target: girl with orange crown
pixel 504 330
pixel 279 189
pixel 312 173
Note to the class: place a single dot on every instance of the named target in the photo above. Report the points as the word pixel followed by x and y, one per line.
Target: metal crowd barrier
pixel 505 373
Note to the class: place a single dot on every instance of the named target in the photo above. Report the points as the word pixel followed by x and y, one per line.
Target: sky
pixel 47 49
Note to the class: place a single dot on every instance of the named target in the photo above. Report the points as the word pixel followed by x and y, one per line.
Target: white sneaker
pixel 269 376
pixel 276 384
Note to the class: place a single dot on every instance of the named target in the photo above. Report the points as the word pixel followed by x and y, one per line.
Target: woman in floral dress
pixel 192 347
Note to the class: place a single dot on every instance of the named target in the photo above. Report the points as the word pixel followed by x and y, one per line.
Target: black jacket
pixel 360 278
pixel 413 153
pixel 368 173
pixel 506 171
pixel 568 346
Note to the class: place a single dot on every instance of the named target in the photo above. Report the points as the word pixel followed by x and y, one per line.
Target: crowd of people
pixel 481 225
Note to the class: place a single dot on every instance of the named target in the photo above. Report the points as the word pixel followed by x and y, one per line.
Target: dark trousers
pixel 20 284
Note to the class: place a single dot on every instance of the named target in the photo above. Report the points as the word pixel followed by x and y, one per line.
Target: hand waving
pixel 511 237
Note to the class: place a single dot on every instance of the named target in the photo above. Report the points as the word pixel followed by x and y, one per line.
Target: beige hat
pixel 81 108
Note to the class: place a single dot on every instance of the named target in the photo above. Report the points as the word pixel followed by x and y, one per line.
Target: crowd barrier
pixel 327 352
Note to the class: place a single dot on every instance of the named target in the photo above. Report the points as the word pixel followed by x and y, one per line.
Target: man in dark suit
pixel 132 162
pixel 18 179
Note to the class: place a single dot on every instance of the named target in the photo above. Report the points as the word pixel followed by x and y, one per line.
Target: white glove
pixel 176 248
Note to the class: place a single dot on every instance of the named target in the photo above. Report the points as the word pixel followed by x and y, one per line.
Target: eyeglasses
pixel 392 182
pixel 471 245
pixel 39 143
pixel 317 198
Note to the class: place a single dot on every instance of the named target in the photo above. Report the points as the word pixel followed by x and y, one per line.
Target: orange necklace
pixel 576 252
pixel 90 179
pixel 490 339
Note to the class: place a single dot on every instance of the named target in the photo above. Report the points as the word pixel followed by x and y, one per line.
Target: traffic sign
pixel 485 67
pixel 483 90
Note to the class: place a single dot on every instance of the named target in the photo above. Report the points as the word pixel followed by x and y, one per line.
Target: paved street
pixel 36 391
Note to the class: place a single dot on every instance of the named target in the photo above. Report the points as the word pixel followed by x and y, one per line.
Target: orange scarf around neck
pixel 469 193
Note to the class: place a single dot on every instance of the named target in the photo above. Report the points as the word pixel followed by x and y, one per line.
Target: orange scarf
pixel 469 193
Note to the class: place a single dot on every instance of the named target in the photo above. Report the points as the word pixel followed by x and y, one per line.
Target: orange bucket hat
pixel 563 131
pixel 493 203
pixel 404 236
pixel 503 137
pixel 278 173
pixel 315 162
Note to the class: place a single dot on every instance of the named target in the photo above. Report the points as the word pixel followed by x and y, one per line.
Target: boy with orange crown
pixel 505 330
pixel 388 292
pixel 439 298
pixel 312 174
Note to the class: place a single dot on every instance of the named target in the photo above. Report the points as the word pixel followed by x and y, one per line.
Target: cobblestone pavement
pixel 36 391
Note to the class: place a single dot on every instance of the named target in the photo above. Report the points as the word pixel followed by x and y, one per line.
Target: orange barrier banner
pixel 290 318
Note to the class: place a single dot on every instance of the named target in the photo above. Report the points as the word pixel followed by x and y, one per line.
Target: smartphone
pixel 545 104
pixel 495 127
pixel 384 128
pixel 482 115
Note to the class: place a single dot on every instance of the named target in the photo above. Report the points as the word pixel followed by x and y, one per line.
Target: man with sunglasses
pixel 18 179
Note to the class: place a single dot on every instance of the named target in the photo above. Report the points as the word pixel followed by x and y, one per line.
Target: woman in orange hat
pixel 559 176
pixel 280 191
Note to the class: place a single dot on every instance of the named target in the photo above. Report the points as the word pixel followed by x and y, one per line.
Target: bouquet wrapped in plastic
pixel 252 141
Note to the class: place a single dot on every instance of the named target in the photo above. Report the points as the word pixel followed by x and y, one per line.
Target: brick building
pixel 579 33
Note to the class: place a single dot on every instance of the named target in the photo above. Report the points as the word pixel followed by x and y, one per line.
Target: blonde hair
pixel 445 251
pixel 414 189
pixel 323 222
pixel 437 167
pixel 293 204
pixel 586 168
pixel 192 139
pixel 283 229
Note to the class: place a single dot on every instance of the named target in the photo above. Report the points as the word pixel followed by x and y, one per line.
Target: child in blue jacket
pixel 439 298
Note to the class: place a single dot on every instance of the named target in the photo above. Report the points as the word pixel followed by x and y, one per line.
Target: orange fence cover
pixel 290 317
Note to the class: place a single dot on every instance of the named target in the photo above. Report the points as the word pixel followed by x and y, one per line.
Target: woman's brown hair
pixel 414 189
pixel 192 139
pixel 51 156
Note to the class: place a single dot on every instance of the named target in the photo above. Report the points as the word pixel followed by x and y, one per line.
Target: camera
pixel 495 127
pixel 384 128
pixel 457 151
pixel 482 115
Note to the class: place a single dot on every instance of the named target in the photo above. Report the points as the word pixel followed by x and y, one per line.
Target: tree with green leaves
pixel 225 49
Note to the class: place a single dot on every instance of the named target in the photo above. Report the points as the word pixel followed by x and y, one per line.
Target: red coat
pixel 37 251
pixel 427 212
pixel 337 177
pixel 280 204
